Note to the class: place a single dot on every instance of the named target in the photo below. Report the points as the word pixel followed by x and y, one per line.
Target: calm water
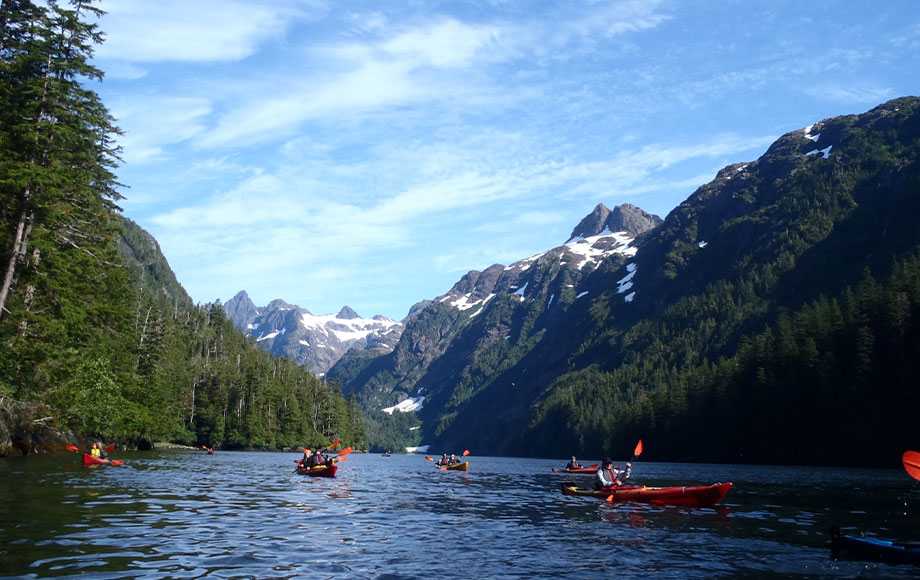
pixel 182 514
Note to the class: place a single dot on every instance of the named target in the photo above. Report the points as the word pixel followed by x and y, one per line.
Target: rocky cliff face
pixel 28 428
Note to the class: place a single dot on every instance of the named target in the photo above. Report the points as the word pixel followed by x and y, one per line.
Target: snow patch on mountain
pixel 410 404
pixel 466 301
pixel 594 249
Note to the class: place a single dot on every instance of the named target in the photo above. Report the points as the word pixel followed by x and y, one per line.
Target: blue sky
pixel 371 153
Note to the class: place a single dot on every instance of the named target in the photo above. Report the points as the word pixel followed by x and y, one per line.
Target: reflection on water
pixel 247 515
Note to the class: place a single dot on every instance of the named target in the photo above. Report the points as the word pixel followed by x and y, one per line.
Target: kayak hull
pixel 874 549
pixel 578 470
pixel 690 496
pixel 321 471
pixel 90 460
pixel 457 466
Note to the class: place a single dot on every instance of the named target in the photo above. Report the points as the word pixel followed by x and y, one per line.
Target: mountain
pixel 315 341
pixel 490 319
pixel 766 318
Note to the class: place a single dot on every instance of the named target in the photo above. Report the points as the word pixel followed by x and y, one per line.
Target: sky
pixel 369 153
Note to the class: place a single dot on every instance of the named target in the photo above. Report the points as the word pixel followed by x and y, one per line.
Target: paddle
pixel 72 447
pixel 637 452
pixel 911 461
pixel 428 458
pixel 110 448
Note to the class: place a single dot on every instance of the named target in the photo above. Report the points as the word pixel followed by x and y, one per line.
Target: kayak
pixel 691 496
pixel 456 467
pixel 319 471
pixel 90 460
pixel 582 470
pixel 874 549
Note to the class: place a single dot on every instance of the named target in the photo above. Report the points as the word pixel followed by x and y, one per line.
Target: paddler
pixel 609 477
pixel 97 451
pixel 573 464
pixel 305 460
pixel 317 458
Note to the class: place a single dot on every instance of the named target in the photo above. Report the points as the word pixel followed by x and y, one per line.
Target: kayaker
pixel 573 464
pixel 305 460
pixel 443 461
pixel 608 477
pixel 97 451
pixel 316 459
pixel 453 460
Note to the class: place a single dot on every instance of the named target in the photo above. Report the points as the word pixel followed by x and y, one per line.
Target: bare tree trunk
pixel 20 242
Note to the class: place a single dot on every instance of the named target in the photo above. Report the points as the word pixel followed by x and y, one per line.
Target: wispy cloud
pixel 181 31
pixel 859 93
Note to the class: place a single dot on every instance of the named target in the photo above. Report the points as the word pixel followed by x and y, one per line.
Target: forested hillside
pixel 96 334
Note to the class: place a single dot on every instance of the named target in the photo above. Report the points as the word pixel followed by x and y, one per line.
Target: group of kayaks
pixel 698 496
pixel 852 546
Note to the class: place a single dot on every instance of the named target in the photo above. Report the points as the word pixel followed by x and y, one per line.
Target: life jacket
pixel 609 475
pixel 95 452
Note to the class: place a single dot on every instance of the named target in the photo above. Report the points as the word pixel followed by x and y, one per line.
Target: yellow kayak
pixel 457 466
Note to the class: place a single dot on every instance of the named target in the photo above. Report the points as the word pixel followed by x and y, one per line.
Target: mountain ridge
pixel 618 328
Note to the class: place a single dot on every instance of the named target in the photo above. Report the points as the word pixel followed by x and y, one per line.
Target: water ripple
pixel 246 515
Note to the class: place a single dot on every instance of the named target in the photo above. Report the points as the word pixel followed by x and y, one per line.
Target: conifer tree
pixel 56 143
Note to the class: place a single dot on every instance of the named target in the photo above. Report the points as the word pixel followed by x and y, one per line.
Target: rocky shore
pixel 27 428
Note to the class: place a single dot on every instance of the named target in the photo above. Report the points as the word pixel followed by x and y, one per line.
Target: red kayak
pixel 582 470
pixel 90 460
pixel 319 471
pixel 690 496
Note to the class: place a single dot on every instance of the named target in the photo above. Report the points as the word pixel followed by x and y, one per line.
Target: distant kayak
pixel 691 496
pixel 874 549
pixel 581 470
pixel 319 471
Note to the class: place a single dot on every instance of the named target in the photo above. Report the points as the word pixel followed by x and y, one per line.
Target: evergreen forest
pixel 96 335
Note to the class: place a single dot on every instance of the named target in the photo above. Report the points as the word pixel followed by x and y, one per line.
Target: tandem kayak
pixel 691 496
pixel 455 467
pixel 319 471
pixel 874 549
pixel 582 470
